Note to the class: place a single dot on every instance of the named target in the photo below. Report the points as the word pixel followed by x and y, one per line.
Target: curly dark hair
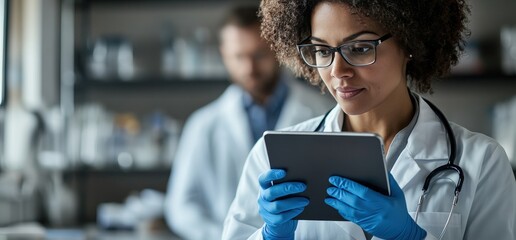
pixel 433 31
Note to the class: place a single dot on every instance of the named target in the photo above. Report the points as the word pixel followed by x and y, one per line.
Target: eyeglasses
pixel 357 53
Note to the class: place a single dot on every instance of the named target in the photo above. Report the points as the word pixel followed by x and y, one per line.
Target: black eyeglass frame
pixel 375 43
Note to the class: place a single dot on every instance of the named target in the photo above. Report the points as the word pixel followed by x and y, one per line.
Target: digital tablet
pixel 312 157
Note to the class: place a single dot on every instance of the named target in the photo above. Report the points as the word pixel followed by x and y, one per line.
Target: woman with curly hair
pixel 372 56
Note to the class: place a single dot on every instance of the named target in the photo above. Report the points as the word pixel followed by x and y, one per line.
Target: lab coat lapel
pixel 404 169
pixel 334 120
pixel 294 109
pixel 427 142
pixel 236 118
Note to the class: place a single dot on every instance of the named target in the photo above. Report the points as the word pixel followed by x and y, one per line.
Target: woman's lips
pixel 348 92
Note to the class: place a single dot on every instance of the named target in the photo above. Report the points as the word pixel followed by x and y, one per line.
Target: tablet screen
pixel 312 157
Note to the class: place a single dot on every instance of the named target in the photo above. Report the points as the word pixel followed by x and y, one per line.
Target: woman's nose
pixel 340 68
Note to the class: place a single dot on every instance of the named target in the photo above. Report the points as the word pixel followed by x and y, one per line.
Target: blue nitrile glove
pixel 383 216
pixel 278 213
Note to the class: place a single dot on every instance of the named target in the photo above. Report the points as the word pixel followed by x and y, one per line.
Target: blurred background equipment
pixel 504 129
pixel 508 47
pixel 111 57
pixel 137 209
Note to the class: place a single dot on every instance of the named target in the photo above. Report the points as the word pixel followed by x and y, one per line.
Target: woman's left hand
pixel 383 216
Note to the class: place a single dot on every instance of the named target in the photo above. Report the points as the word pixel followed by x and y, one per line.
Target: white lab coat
pixel 486 207
pixel 214 144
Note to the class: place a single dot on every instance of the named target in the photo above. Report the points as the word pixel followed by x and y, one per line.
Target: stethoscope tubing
pixel 453 152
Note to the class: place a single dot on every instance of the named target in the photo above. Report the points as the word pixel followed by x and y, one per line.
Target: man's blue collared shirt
pixel 264 117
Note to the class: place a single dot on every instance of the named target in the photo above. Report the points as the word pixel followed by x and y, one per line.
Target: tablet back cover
pixel 312 157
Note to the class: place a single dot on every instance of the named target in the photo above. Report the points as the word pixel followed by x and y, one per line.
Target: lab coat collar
pixel 294 110
pixel 274 101
pixel 334 120
pixel 428 141
pixel 235 115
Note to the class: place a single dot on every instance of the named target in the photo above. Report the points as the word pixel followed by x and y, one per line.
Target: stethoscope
pixel 446 167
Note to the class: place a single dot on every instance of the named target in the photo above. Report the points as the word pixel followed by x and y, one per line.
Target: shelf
pixel 149 83
pixel 178 98
pixel 119 171
pixel 182 83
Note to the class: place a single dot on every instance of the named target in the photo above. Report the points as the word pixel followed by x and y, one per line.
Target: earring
pixel 410 56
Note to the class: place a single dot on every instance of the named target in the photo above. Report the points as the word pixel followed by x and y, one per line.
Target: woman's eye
pixel 360 50
pixel 323 52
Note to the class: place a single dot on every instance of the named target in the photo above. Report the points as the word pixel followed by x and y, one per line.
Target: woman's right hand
pixel 276 208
